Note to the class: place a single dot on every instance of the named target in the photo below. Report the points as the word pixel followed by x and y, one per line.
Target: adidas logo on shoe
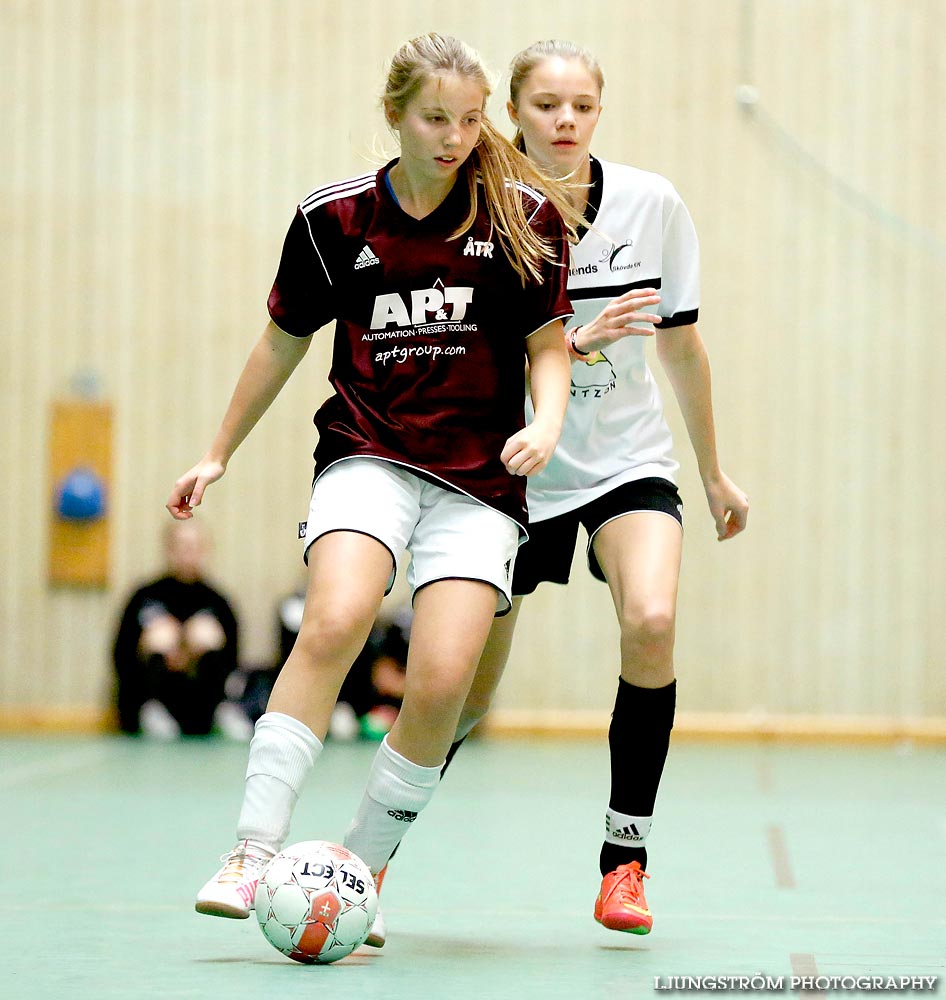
pixel 366 258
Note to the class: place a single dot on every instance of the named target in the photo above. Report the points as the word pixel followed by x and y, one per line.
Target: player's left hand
pixel 528 451
pixel 728 505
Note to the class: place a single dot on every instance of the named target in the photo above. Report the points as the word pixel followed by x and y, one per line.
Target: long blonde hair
pixel 495 160
pixel 526 61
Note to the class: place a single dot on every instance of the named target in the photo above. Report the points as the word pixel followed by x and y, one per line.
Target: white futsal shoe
pixel 230 892
pixel 376 935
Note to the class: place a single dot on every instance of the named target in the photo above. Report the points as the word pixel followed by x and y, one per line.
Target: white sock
pixel 625 830
pixel 396 792
pixel 282 753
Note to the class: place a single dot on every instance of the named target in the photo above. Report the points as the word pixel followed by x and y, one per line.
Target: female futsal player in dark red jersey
pixel 443 272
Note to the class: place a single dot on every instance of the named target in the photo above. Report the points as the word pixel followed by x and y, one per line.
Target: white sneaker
pixel 230 892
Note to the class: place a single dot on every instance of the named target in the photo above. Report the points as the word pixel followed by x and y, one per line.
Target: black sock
pixel 451 753
pixel 639 738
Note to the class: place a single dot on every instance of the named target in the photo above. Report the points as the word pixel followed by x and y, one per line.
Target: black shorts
pixel 547 556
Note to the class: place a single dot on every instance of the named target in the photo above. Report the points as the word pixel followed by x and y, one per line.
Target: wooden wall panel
pixel 156 152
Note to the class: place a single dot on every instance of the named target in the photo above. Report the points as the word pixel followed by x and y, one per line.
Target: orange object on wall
pixel 80 438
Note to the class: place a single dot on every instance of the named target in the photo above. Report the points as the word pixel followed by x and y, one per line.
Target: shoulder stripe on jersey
pixel 537 196
pixel 332 192
pixel 336 185
pixel 610 291
pixel 315 247
pixel 337 196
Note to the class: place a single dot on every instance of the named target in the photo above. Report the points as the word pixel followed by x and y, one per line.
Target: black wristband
pixel 575 347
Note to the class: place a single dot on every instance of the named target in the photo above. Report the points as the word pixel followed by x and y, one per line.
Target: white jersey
pixel 615 431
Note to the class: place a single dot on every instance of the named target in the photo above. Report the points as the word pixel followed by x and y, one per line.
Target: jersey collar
pixel 445 217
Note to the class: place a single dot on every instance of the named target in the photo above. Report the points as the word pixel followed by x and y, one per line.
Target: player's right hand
pixel 188 491
pixel 620 318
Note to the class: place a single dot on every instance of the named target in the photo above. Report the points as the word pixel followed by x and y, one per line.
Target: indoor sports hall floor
pixel 766 858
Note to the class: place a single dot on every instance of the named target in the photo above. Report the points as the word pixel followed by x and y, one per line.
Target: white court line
pixel 37 770
pixel 806 966
pixel 781 865
pixel 840 919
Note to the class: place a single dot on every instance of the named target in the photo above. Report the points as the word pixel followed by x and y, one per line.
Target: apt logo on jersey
pixel 421 307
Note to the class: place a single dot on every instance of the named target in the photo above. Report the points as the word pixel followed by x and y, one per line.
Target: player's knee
pixel 649 628
pixel 332 633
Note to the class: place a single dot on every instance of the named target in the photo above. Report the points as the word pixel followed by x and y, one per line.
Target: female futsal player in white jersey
pixel 441 277
pixel 613 470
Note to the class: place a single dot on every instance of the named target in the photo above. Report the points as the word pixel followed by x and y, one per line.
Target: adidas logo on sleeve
pixel 366 258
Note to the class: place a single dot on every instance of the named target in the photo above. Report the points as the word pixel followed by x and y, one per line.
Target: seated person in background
pixel 176 646
pixel 372 693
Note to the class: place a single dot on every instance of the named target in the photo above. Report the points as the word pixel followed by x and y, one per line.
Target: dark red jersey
pixel 430 331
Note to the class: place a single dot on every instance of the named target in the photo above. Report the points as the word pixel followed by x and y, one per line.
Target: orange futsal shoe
pixel 620 905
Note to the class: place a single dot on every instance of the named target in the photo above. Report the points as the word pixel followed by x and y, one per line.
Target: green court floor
pixel 779 860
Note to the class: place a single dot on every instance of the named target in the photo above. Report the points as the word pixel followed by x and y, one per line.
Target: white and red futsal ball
pixel 316 901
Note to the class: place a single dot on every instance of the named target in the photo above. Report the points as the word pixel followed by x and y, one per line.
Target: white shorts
pixel 449 535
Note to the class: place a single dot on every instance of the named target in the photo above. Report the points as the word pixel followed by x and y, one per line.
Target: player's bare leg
pixel 348 573
pixel 489 671
pixel 640 555
pixel 442 659
pixel 445 650
pixel 451 622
